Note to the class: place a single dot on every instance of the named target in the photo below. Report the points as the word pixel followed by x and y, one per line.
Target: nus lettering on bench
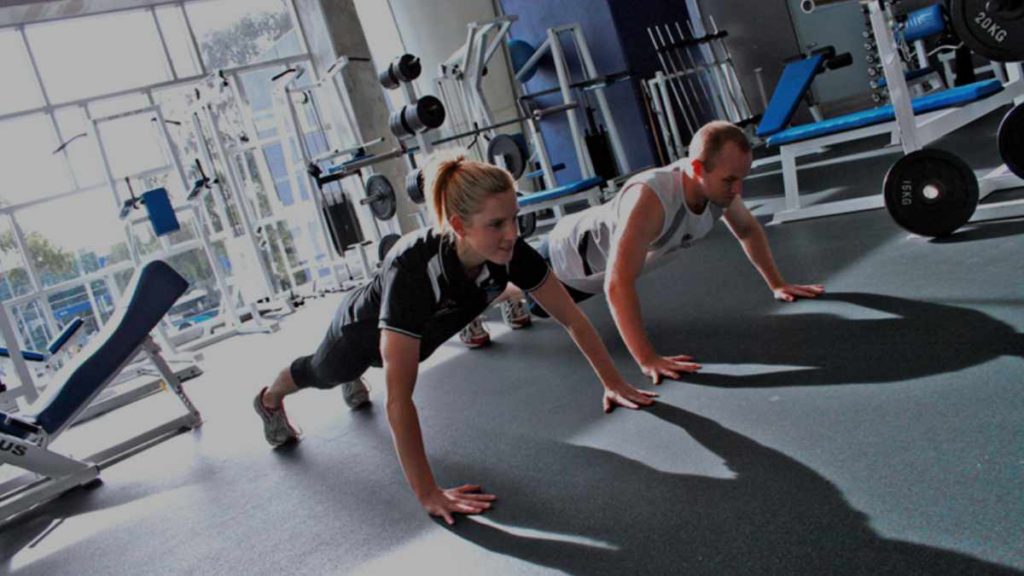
pixel 16 449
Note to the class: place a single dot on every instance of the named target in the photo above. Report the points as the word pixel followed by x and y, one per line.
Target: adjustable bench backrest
pixel 154 289
pixel 793 84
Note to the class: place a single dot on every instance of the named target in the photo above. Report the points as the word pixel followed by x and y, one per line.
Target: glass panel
pixel 73 303
pixel 84 57
pixel 279 172
pixel 238 33
pixel 104 299
pixel 249 171
pixel 30 323
pixel 288 244
pixel 226 112
pixel 21 90
pixel 14 280
pixel 123 278
pixel 258 89
pixel 334 111
pixel 174 105
pixel 133 145
pixel 73 235
pixel 80 148
pixel 187 231
pixel 29 167
pixel 179 44
pixel 202 300
pixel 145 239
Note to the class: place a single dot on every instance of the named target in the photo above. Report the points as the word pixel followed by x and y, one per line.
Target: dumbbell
pixel 405 68
pixel 425 114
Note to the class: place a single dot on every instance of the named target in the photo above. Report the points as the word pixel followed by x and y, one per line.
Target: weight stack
pixel 343 224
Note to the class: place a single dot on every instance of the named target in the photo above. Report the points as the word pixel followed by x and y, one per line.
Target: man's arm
pixel 750 234
pixel 401 366
pixel 617 392
pixel 644 221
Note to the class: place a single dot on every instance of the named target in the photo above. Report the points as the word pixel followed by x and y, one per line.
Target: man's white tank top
pixel 580 244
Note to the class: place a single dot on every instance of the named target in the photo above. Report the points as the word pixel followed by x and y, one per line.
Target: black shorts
pixel 346 352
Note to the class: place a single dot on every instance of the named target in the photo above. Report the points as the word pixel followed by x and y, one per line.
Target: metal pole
pixel 590 72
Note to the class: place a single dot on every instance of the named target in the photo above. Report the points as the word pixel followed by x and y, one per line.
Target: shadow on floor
pixel 601 513
pixel 913 339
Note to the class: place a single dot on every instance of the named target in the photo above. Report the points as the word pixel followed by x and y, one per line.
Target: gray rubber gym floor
pixel 877 430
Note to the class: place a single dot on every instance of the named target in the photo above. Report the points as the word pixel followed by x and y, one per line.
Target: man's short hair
pixel 708 142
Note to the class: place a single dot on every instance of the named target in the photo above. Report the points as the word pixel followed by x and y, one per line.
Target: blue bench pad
pixel 923 104
pixel 793 84
pixel 154 289
pixel 565 190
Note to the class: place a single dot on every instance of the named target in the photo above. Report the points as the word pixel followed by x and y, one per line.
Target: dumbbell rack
pixel 876 75
pixel 416 132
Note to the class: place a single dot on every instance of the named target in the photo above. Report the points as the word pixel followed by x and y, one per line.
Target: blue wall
pixel 600 21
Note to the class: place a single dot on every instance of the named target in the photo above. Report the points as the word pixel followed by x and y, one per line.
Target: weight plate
pixel 414 186
pixel 1011 140
pixel 510 152
pixel 996 34
pixel 382 197
pixel 406 67
pixel 430 113
pixel 931 192
pixel 385 245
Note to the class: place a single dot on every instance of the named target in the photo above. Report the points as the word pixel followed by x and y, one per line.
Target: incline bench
pixel 25 436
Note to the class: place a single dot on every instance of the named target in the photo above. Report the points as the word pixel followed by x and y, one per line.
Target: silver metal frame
pixel 56 473
pixel 39 293
pixel 908 131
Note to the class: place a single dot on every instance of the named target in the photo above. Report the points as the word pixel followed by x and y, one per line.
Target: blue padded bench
pixel 155 289
pixel 797 76
pixel 559 192
pixel 909 76
pixel 928 103
pixel 793 84
pixel 26 436
pixel 53 347
pixel 30 355
pixel 65 335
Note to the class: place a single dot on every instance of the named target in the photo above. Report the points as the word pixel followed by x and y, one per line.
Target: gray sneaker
pixel 514 314
pixel 355 393
pixel 276 427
